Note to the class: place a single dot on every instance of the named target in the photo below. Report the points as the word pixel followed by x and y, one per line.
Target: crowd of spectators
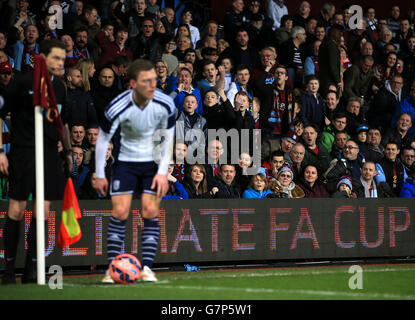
pixel 332 102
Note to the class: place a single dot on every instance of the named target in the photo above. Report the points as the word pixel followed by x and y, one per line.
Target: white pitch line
pixel 287 273
pixel 296 291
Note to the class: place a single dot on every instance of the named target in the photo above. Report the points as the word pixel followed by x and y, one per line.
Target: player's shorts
pixel 22 172
pixel 130 177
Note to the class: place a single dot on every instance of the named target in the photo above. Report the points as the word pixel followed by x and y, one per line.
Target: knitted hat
pixel 285 168
pixel 362 127
pixel 292 136
pixel 345 180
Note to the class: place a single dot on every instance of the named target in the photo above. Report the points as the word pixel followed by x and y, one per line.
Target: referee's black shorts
pixel 22 173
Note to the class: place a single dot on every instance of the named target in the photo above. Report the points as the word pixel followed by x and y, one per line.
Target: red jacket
pixel 110 50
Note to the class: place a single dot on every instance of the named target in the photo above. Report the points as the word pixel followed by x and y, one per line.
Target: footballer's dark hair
pixel 46 46
pixel 137 66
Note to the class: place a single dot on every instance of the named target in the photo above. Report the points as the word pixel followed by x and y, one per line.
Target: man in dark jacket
pixel 241 52
pixel 80 107
pixel 147 45
pixel 349 163
pixel 234 19
pixel 391 169
pixel 292 55
pixel 134 17
pixel 373 149
pixel 357 78
pixel 386 101
pixel 227 183
pixel 367 187
pixel 329 61
pixel 400 134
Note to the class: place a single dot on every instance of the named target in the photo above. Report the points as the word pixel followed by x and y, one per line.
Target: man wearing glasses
pixel 408 159
pixel 386 101
pixel 350 164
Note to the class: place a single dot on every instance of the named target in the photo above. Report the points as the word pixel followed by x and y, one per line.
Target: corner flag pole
pixel 40 196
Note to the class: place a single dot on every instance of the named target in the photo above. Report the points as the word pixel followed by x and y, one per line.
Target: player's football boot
pixel 107 278
pixel 147 275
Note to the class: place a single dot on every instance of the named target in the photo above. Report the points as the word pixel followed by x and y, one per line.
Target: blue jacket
pixel 408 189
pixel 254 194
pixel 179 192
pixel 407 105
pixel 179 98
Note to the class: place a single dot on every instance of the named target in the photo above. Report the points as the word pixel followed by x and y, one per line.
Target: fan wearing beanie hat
pixel 361 133
pixel 284 185
pixel 344 188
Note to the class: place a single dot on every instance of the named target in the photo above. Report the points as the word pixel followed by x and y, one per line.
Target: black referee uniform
pixel 19 101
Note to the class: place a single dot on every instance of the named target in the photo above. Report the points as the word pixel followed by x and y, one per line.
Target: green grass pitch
pixel 384 282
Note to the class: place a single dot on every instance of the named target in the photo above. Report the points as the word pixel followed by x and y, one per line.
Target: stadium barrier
pixel 240 230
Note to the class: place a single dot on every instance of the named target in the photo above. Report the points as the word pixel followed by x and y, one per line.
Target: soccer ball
pixel 125 269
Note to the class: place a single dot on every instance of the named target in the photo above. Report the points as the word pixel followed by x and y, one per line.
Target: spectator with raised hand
pixel 134 17
pixel 176 189
pixel 182 86
pixel 219 114
pixel 111 50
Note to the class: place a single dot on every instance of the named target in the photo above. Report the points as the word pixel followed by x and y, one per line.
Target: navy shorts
pixel 131 177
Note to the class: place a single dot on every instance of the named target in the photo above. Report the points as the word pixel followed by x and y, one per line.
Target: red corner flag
pixel 44 94
pixel 69 230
